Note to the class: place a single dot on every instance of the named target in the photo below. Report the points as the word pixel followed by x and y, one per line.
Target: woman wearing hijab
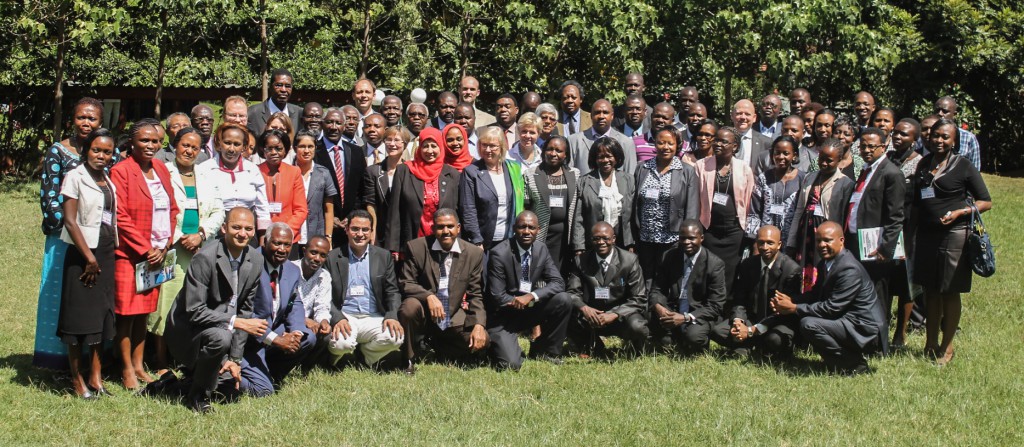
pixel 456 153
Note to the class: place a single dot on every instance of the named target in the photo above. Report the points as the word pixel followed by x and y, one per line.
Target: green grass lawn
pixel 646 401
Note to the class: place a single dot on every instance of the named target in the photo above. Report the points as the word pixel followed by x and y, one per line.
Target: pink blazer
pixel 742 188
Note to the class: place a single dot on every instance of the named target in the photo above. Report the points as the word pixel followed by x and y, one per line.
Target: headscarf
pixel 427 172
pixel 462 159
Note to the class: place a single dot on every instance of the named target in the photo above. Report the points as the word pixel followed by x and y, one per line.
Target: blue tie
pixel 442 294
pixel 684 296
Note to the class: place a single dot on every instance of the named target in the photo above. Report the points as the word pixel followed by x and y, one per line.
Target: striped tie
pixel 339 171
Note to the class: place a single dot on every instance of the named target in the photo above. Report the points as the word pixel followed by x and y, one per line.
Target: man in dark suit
pixel 347 164
pixel 211 317
pixel 270 357
pixel 281 87
pixel 525 289
pixel 752 144
pixel 688 293
pixel 446 102
pixel 572 119
pixel 768 122
pixel 757 279
pixel 635 121
pixel 634 85
pixel 608 294
pixel 580 142
pixel 364 296
pixel 876 206
pixel 841 318
pixel 441 280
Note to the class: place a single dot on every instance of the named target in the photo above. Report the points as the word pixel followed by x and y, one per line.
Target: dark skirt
pixel 725 240
pixel 940 259
pixel 556 242
pixel 87 313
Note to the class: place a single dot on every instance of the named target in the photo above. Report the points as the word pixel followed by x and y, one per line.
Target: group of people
pixel 345 236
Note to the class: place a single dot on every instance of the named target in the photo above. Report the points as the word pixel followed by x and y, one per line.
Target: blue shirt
pixel 359 276
pixel 970 149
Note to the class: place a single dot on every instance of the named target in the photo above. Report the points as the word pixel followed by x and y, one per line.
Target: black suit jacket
pixel 205 300
pixel 355 169
pixel 382 276
pixel 624 280
pixel 749 303
pixel 406 202
pixel 259 114
pixel 707 292
pixel 846 293
pixel 619 122
pixel 375 193
pixel 759 144
pixel 504 274
pixel 881 205
pixel 421 274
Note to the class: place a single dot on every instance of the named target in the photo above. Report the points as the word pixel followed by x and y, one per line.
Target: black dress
pixel 724 237
pixel 87 313
pixel 555 239
pixel 940 256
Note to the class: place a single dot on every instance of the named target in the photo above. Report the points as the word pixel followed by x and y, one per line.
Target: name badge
pixel 856 197
pixel 651 193
pixel 190 204
pixel 927 193
pixel 161 203
pixel 525 287
pixel 557 202
pixel 233 303
pixel 720 198
pixel 777 210
pixel 502 199
pixel 442 284
pixel 819 211
pixel 275 207
pixel 359 290
pixel 602 293
pixel 108 217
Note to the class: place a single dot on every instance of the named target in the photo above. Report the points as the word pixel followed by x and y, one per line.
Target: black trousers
pixel 685 338
pixel 632 329
pixel 552 315
pixel 778 340
pixel 830 339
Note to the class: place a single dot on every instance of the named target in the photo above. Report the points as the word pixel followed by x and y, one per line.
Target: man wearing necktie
pixel 841 317
pixel 877 207
pixel 608 294
pixel 525 289
pixel 688 293
pixel 573 118
pixel 441 280
pixel 757 280
pixel 269 358
pixel 347 164
pixel 211 318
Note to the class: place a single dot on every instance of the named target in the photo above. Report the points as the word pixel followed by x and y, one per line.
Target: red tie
pixel 339 171
pixel 860 188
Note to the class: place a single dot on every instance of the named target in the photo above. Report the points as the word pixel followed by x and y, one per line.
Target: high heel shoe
pixel 945 359
pixel 100 391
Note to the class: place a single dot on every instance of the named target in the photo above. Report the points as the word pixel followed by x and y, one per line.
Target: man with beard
pixel 312 118
pixel 416 117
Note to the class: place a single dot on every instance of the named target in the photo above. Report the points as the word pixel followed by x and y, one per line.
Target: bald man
pixel 750 324
pixel 580 142
pixel 752 144
pixel 469 90
pixel 841 317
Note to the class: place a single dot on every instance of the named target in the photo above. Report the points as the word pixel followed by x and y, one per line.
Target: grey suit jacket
pixel 624 280
pixel 206 300
pixel 684 202
pixel 259 114
pixel 382 275
pixel 589 210
pixel 759 144
pixel 579 150
pixel 620 118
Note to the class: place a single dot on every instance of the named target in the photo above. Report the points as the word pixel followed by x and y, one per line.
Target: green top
pixel 190 217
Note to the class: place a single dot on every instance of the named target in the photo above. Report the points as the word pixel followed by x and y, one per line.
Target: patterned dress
pixel 773 203
pixel 50 351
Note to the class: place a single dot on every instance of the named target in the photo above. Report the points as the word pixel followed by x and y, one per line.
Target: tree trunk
pixel 464 51
pixel 58 84
pixel 264 75
pixel 365 59
pixel 161 67
pixel 728 90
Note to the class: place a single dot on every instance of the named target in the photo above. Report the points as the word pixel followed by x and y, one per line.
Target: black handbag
pixel 979 247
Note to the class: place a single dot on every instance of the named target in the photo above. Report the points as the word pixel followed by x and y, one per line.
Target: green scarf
pixel 515 171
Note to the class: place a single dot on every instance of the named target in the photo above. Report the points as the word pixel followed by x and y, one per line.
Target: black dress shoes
pixel 201 406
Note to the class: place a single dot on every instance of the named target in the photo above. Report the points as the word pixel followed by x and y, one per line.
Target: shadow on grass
pixel 45 380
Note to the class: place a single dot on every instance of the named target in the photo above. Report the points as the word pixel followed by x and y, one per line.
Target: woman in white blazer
pixel 87 299
pixel 201 216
